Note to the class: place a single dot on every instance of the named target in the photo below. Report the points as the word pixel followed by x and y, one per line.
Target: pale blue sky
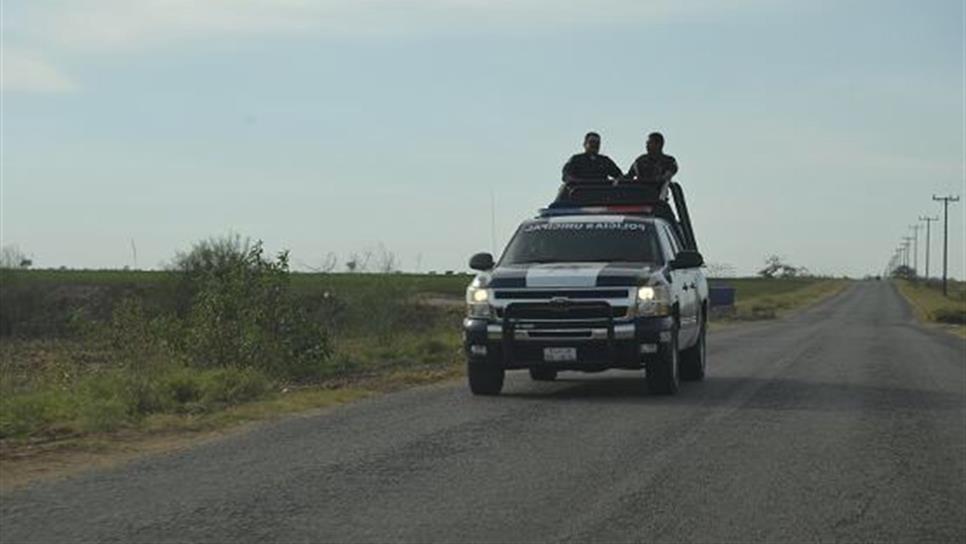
pixel 816 130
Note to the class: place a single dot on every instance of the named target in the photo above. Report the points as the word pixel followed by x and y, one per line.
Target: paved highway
pixel 846 422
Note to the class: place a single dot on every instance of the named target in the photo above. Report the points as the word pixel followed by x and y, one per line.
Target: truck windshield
pixel 605 241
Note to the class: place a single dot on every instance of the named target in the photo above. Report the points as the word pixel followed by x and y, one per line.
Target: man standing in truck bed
pixel 653 167
pixel 590 166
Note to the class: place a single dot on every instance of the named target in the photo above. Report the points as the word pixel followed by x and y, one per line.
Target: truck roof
pixel 587 216
pixel 639 200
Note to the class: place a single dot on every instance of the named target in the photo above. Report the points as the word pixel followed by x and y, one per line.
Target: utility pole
pixel 915 248
pixel 945 200
pixel 907 244
pixel 928 220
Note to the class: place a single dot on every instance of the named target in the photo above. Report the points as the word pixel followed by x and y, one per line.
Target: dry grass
pixel 931 306
pixel 759 299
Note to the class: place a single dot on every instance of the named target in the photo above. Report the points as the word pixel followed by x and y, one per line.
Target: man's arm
pixel 568 170
pixel 672 167
pixel 613 170
pixel 632 171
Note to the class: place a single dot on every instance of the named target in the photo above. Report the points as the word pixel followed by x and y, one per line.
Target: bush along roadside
pixel 240 334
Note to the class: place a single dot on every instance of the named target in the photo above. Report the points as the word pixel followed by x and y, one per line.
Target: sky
pixel 818 131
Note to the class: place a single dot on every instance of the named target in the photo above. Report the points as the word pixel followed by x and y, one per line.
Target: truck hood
pixel 567 275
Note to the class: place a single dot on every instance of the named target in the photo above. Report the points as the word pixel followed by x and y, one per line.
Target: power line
pixel 945 200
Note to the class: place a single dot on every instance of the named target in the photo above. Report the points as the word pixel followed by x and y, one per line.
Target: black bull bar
pixel 560 314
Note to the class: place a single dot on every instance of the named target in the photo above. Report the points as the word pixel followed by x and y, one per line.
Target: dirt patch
pixel 24 464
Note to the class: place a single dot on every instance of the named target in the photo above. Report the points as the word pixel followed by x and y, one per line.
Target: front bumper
pixel 618 344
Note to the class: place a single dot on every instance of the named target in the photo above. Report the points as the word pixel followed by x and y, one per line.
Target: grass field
pixel 58 384
pixel 761 298
pixel 447 284
pixel 931 305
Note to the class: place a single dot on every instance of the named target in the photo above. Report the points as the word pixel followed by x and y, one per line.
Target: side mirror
pixel 482 261
pixel 687 259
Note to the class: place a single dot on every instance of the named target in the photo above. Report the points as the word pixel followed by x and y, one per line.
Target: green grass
pixel 446 284
pixel 57 389
pixel 454 284
pixel 931 305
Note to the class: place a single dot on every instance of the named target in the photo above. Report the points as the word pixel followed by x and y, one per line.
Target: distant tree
pixel 11 257
pixel 374 258
pixel 903 271
pixel 776 267
pixel 329 262
pixel 358 261
pixel 386 260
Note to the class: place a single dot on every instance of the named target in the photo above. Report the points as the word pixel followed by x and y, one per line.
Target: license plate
pixel 558 355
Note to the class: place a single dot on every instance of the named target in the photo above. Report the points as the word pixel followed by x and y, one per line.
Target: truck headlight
pixel 477 302
pixel 653 300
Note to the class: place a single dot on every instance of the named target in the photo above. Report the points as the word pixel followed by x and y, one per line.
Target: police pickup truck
pixel 609 279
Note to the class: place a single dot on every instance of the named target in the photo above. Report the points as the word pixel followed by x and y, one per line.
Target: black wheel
pixel 694 359
pixel 543 374
pixel 484 378
pixel 662 371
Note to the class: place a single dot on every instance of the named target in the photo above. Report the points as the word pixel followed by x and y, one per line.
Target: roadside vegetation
pixel 228 334
pixel 779 288
pixel 225 326
pixel 931 305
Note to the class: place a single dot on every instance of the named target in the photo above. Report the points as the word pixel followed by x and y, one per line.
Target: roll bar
pixel 627 199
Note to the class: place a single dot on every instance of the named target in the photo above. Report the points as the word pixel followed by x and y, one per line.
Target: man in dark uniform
pixel 653 167
pixel 590 166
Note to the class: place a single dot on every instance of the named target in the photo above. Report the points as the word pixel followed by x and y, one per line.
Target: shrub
pixel 214 256
pixel 244 314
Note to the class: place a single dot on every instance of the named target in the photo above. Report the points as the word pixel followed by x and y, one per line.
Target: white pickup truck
pixel 611 279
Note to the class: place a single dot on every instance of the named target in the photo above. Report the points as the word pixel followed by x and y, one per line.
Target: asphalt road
pixel 844 423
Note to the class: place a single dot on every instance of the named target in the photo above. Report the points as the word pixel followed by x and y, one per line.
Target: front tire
pixel 662 372
pixel 694 359
pixel 484 378
pixel 543 374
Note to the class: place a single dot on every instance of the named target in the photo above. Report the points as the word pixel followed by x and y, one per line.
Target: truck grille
pixel 561 311
pixel 505 294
